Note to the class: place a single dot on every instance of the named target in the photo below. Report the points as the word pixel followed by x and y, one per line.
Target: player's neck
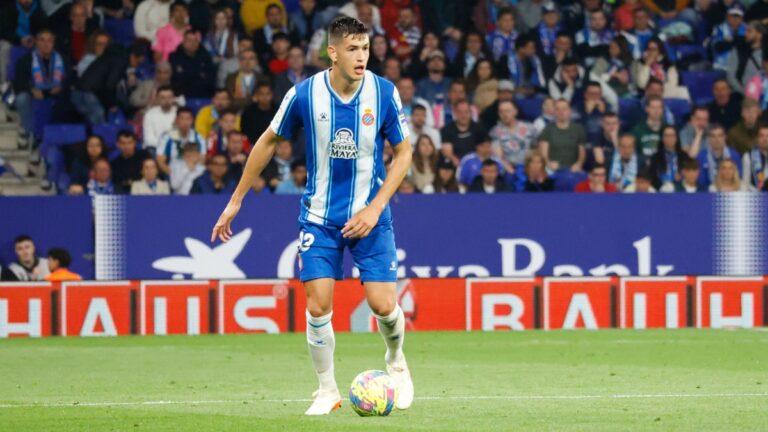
pixel 342 86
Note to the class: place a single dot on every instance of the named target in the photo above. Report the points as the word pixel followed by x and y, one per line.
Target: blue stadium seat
pixel 196 104
pixel 700 84
pixel 680 108
pixel 63 134
pixel 530 108
pixel 43 112
pixel 108 132
pixel 690 51
pixel 121 30
pixel 16 53
pixel 566 181
pixel 630 111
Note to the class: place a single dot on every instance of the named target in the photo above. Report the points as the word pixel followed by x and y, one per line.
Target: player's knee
pixel 318 310
pixel 383 307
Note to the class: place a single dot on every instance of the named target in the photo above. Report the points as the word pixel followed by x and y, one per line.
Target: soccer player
pixel 347 112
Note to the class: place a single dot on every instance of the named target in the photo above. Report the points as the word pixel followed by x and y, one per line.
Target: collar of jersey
pixel 333 92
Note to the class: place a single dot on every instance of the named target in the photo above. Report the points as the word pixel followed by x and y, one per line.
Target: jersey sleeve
pixel 287 118
pixel 395 125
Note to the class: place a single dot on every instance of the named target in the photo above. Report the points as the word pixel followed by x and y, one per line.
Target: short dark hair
pixel 22 238
pixel 418 107
pixel 228 111
pixel 183 110
pixel 715 126
pixel 61 255
pixel 522 41
pixel 298 163
pixel 220 90
pixel 263 83
pixel 272 6
pixel 178 3
pixel 598 166
pixel 126 134
pixel 570 61
pixel 345 26
pixel 689 164
pixel 490 162
pixel 645 174
pixel 280 35
pixel 163 88
pixel 505 11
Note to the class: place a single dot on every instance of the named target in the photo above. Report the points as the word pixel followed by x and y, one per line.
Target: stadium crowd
pixel 501 95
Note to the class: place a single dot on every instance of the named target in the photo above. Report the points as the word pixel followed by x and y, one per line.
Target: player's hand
pixel 223 227
pixel 361 224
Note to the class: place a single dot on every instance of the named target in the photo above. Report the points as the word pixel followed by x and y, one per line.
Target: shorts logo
pixel 343 145
pixel 305 241
pixel 393 266
pixel 368 117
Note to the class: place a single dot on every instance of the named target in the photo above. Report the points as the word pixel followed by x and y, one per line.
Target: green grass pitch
pixel 580 380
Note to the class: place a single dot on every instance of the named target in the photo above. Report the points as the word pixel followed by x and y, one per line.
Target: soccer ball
pixel 372 393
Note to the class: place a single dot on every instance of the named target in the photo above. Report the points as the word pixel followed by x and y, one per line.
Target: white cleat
pixel 326 401
pixel 399 372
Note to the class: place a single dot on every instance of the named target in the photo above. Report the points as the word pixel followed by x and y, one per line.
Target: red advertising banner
pixel 25 309
pixel 575 302
pixel 654 302
pixel 175 307
pixel 502 304
pixel 254 306
pixel 723 302
pixel 95 308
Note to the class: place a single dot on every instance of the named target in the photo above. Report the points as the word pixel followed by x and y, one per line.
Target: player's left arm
pixel 366 219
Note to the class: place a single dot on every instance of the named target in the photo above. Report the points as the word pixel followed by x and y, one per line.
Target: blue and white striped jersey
pixel 345 143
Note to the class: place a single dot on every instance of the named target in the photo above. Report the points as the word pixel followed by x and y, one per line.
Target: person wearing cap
pixel 545 33
pixel 727 35
pixel 434 86
pixel 745 60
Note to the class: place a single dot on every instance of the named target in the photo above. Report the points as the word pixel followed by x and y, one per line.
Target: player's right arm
pixel 286 120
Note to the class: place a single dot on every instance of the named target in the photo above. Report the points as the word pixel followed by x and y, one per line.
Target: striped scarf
pixel 47 78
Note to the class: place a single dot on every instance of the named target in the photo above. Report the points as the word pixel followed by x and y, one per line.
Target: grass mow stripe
pixel 423 398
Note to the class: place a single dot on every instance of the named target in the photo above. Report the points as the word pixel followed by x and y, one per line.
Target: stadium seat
pixel 43 113
pixel 566 181
pixel 630 111
pixel 681 109
pixel 108 132
pixel 196 104
pixel 121 30
pixel 17 52
pixel 63 134
pixel 700 84
pixel 530 108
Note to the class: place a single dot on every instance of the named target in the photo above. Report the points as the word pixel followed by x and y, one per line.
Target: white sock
pixel 321 343
pixel 392 329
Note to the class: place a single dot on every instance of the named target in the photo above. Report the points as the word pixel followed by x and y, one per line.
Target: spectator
pixel 693 137
pixel 132 77
pixel 746 59
pixel 406 187
pixel 596 182
pixel 406 34
pixel 86 157
pixel 20 22
pixel 101 179
pixel 185 170
pixel 547 115
pixel 536 178
pixel 59 261
pixel 297 183
pixel 625 163
pixel 711 157
pixel 569 77
pixel 263 37
pixel 433 88
pixel 490 180
pixel 150 183
pixel 562 50
pixel 641 33
pixel 472 50
pixel 277 62
pixel 524 66
pixel 210 114
pixel 296 73
pixel 127 166
pixel 502 40
pixel 317 50
pixel 643 183
pixel 307 19
pixel 623 16
pixel 591 110
pixel 218 138
pixel 755 162
pixel 193 71
pixel 743 135
pixel 726 106
pixel 242 84
pixel 145 95
pixel 236 153
pixel 149 17
pixel 40 75
pixel 727 35
pixel 424 167
pixel 170 36
pixel 727 179
pixel 392 68
pixel 563 142
pixel 648 133
pixel 231 65
pixel 758 10
pixel 607 142
pixel 457 92
pixel 655 64
pixel 72 39
pixel 407 90
pixel 592 41
pixel 257 116
pixel 757 89
pixel 462 135
pixel 222 39
pixel 689 178
pixel 482 84
pixel 366 12
pixel 98 73
pixel 159 119
pixel 666 164
pixel 173 142
pixel 254 14
pixel 472 163
pixel 445 180
pixel 544 32
pixel 614 72
pixel 215 180
pixel 418 124
pixel 429 44
pixel 510 138
pixel 656 89
pixel 278 169
pixel 28 266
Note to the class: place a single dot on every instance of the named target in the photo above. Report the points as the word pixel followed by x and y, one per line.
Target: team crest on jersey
pixel 368 117
pixel 343 145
